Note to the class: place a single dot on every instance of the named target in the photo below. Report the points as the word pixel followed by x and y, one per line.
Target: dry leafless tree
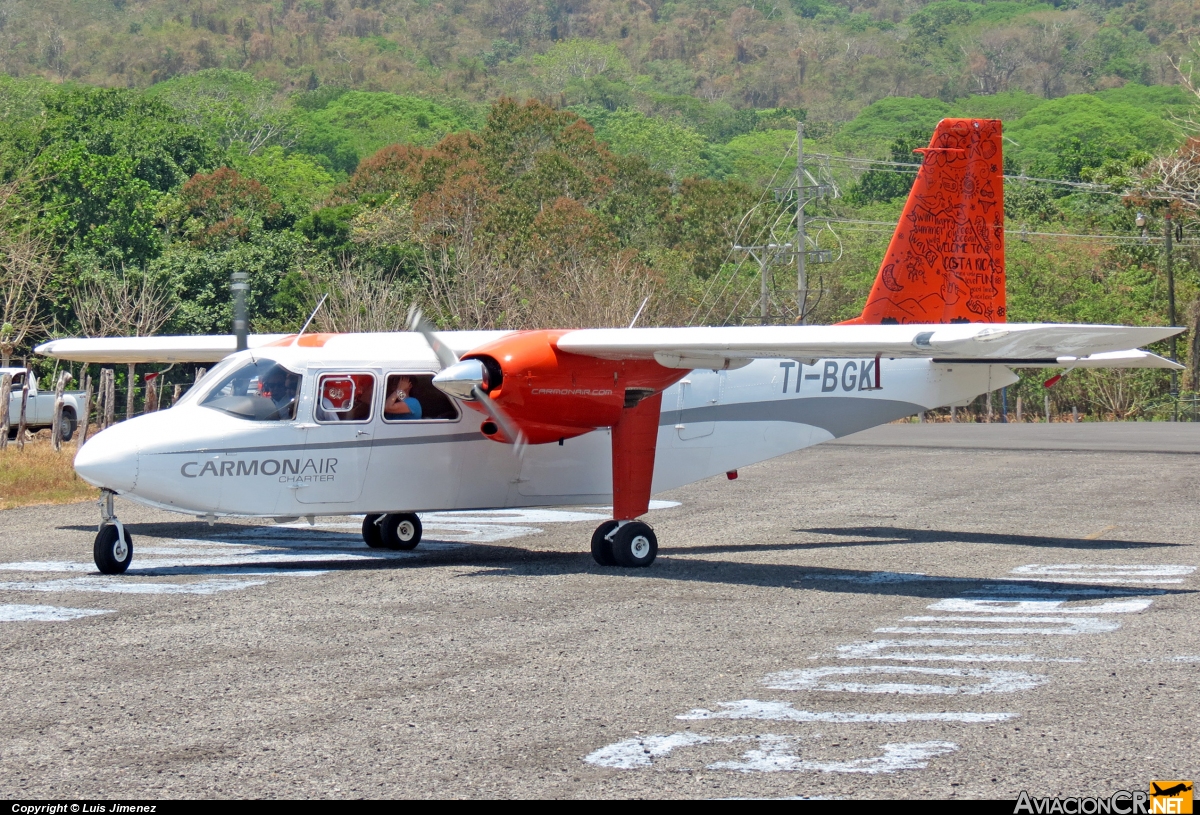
pixel 119 307
pixel 26 264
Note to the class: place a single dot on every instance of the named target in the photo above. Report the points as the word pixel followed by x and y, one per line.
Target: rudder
pixel 945 263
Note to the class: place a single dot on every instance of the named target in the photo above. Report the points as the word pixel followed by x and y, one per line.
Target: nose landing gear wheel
pixel 634 544
pixel 112 553
pixel 371 533
pixel 602 551
pixel 401 531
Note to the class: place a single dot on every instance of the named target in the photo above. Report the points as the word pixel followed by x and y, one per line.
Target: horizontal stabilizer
pixel 1115 359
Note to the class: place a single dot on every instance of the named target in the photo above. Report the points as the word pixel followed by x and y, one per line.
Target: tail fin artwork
pixel 945 263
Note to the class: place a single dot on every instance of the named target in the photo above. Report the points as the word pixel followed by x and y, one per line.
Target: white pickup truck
pixel 39 410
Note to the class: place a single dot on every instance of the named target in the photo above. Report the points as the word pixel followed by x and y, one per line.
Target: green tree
pixel 105 158
pixel 670 148
pixel 297 181
pixel 881 183
pixel 354 125
pixel 233 106
pixel 201 277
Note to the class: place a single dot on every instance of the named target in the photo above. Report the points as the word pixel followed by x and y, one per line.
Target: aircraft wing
pixel 118 350
pixel 214 347
pixel 1015 344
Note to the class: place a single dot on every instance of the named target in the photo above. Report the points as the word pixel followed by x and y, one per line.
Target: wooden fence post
pixel 151 396
pixel 56 425
pixel 87 410
pixel 5 396
pixel 22 426
pixel 130 391
pixel 110 395
pixel 175 395
pixel 1018 408
pixel 1047 396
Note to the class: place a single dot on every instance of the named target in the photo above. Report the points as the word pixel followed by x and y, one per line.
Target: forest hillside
pixel 516 163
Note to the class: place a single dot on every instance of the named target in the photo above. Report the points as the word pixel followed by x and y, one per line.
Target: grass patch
pixel 38 475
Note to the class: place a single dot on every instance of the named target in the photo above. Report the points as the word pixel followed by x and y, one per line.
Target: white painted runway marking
pixel 39 614
pixel 777 755
pixel 821 679
pixel 1064 626
pixel 874 578
pixel 1124 574
pixel 1030 604
pixel 894 650
pixel 785 712
pixel 963 605
pixel 641 752
pixel 263 551
pixel 116 585
pixel 773 753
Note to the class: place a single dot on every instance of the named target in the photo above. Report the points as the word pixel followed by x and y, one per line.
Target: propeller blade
pixel 502 421
pixel 418 323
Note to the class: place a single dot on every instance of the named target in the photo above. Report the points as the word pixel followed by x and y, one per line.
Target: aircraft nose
pixel 110 459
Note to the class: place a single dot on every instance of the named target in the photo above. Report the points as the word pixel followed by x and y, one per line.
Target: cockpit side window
pixel 413 396
pixel 261 391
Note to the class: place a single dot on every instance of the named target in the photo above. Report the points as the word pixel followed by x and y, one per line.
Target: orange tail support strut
pixel 945 263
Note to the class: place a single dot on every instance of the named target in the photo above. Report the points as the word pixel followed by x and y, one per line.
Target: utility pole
pixel 1169 234
pixel 801 274
pixel 765 255
pixel 807 187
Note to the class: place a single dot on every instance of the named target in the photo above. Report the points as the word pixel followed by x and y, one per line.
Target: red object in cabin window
pixel 337 393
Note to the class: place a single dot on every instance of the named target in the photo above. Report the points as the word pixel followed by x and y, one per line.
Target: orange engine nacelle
pixel 553 395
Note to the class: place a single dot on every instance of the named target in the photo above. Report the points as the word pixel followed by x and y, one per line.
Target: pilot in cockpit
pixel 280 386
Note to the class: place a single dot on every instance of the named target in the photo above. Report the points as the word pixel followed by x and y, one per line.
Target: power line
pixel 879 164
pixel 1011 231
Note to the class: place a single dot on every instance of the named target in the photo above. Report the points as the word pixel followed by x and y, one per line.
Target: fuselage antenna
pixel 310 318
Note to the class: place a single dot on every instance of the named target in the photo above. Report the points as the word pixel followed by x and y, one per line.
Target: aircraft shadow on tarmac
pixel 887 535
pixel 500 560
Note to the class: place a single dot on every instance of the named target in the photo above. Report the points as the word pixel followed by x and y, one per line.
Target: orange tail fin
pixel 945 263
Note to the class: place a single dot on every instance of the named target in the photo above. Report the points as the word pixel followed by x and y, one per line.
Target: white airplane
pixel 390 425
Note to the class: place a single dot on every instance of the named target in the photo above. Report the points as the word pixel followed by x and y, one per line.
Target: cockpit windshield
pixel 261 390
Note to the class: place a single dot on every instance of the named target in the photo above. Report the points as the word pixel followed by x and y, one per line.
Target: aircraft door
pixel 699 394
pixel 337 452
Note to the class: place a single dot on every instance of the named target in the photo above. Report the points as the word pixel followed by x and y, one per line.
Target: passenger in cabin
pixel 399 404
pixel 364 389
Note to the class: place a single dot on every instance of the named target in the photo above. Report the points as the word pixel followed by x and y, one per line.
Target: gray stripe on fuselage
pixel 839 415
pixel 332 445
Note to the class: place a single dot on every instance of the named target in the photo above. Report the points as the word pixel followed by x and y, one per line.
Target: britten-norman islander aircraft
pixel 389 425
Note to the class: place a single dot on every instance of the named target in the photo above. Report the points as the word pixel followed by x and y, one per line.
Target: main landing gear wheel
pixel 602 551
pixel 113 553
pixel 401 531
pixel 371 533
pixel 634 544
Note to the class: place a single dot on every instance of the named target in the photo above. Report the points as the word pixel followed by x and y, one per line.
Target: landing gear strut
pixel 370 532
pixel 113 548
pixel 624 543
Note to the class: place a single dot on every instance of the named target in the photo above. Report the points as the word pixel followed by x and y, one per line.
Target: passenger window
pixel 344 397
pixel 413 396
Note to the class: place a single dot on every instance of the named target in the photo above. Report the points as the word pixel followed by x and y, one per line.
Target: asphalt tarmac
pixel 919 611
